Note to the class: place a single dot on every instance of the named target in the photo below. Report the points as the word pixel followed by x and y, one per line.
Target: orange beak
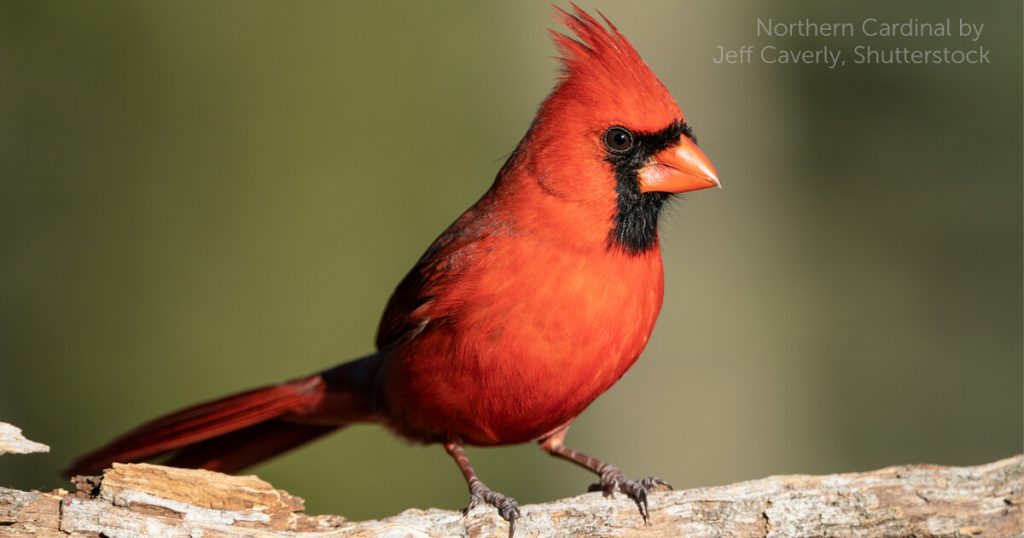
pixel 679 168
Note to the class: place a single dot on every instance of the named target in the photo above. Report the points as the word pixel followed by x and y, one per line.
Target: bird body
pixel 527 308
pixel 508 353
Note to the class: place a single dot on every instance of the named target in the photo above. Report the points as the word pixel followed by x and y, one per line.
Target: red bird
pixel 527 308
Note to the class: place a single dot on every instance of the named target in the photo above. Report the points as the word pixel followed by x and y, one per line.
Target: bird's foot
pixel 507 507
pixel 613 480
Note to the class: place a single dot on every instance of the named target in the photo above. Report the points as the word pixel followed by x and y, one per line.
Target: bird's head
pixel 610 135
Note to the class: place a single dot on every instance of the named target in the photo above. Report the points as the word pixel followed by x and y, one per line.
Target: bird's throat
pixel 635 225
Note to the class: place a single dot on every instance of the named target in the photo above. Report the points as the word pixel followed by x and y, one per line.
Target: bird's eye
pixel 618 139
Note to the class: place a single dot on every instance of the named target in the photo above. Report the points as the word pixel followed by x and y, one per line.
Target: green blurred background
pixel 201 197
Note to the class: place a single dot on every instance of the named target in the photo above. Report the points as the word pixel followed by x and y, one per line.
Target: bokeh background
pixel 201 197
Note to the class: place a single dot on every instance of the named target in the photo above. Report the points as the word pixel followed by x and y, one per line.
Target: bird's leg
pixel 507 507
pixel 611 478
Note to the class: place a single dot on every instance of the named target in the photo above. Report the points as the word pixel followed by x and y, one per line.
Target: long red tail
pixel 240 430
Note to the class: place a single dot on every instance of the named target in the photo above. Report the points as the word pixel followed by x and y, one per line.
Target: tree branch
pixel 915 500
pixel 13 442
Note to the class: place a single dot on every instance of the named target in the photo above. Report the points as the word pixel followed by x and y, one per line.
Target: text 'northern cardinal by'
pixel 527 308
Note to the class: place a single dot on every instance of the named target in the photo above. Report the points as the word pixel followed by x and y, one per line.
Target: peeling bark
pixel 913 501
pixel 12 442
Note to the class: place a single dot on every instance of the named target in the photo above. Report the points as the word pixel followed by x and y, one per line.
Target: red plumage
pixel 527 308
pixel 200 423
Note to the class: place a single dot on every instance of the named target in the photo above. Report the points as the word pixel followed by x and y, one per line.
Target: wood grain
pixel 143 500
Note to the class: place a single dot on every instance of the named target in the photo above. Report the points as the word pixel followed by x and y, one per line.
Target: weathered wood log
pixel 13 442
pixel 913 500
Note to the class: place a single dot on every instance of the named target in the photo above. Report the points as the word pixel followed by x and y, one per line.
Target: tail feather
pixel 235 432
pixel 212 420
pixel 237 450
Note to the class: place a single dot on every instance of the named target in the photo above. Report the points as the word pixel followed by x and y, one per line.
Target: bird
pixel 534 302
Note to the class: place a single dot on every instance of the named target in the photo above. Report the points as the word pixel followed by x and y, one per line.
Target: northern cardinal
pixel 527 308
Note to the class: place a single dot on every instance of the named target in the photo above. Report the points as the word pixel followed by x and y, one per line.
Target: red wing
pixel 445 260
pixel 397 321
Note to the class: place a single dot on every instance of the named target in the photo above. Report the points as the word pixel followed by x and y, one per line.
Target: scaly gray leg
pixel 507 507
pixel 611 478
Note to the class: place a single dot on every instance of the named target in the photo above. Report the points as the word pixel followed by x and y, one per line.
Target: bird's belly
pixel 511 372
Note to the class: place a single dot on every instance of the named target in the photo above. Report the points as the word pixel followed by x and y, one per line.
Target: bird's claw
pixel 507 507
pixel 613 480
